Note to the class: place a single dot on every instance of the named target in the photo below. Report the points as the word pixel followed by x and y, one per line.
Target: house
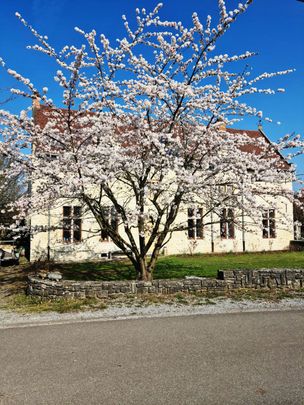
pixel 68 232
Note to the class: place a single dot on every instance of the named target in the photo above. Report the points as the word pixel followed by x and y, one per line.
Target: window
pixel 226 189
pixel 71 224
pixel 227 223
pixel 111 217
pixel 195 223
pixel 269 230
pixel 51 156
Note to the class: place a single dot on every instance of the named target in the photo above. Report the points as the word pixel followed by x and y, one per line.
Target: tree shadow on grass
pixel 123 270
pixel 113 271
pixel 100 271
pixel 13 279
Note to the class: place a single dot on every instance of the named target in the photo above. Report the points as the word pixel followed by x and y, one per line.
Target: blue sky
pixel 273 28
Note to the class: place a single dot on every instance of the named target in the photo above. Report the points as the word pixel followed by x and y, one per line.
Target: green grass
pixel 26 304
pixel 181 266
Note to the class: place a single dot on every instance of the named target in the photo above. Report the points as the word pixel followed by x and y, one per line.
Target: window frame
pixel 112 219
pixel 72 216
pixel 269 224
pixel 227 225
pixel 195 223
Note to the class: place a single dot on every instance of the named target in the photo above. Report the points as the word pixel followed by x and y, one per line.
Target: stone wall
pixel 226 280
pixel 263 278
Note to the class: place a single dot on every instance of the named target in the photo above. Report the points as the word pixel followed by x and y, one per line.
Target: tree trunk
pixel 143 273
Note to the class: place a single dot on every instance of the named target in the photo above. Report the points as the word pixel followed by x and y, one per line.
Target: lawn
pixel 181 266
pixel 13 280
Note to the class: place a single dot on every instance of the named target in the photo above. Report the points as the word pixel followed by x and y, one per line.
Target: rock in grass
pixel 194 278
pixel 54 275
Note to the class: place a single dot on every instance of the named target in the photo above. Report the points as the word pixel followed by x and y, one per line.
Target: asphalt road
pixel 249 358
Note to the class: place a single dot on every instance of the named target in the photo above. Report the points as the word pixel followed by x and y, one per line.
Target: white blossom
pixel 143 128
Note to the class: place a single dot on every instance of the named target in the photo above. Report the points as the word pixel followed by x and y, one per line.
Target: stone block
pixel 102 294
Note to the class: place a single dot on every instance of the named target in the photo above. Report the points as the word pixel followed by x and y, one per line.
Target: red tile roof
pixel 260 137
pixel 43 113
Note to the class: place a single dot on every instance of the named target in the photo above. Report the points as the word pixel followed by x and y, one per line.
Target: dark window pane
pixel 77 211
pixel 106 215
pixel 190 212
pixel 114 223
pixel 223 230
pixel 104 234
pixel 67 211
pixel 223 223
pixel 199 223
pixel 66 234
pixel 231 229
pixel 272 232
pixel 77 236
pixel 191 233
pixel 67 224
pixel 77 230
pixel 230 223
pixel 114 219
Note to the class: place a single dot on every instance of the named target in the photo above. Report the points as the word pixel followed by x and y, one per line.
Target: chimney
pixel 260 126
pixel 36 103
pixel 221 125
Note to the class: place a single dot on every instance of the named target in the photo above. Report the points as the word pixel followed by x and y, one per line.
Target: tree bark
pixel 143 272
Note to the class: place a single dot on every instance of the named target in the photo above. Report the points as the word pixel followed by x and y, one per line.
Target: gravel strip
pixel 10 319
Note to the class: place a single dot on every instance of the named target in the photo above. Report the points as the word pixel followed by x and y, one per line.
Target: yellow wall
pixel 92 246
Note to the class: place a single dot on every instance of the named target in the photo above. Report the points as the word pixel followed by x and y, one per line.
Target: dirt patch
pixel 13 279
